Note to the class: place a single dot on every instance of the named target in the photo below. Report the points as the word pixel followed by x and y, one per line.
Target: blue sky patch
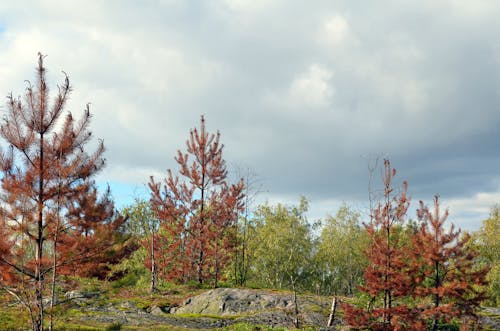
pixel 124 194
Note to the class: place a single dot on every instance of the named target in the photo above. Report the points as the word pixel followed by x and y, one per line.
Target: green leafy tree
pixel 487 242
pixel 281 246
pixel 340 261
pixel 142 224
pixel 241 258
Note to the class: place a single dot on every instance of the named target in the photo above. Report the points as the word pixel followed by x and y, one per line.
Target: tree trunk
pixel 38 323
pixel 53 285
pixel 244 247
pixel 216 284
pixel 436 295
pixel 200 266
pixel 153 264
pixel 202 221
pixel 296 305
pixel 331 318
pixel 387 291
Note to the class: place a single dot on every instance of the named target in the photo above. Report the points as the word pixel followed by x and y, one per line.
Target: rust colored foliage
pixel 444 270
pixel 418 278
pixel 5 254
pixel 386 277
pixel 198 213
pixel 43 168
pixel 91 234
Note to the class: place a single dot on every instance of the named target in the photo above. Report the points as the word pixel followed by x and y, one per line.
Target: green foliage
pixel 141 221
pixel 84 284
pixel 494 285
pixel 281 246
pixel 340 260
pixel 13 318
pixel 114 327
pixel 132 271
pixel 487 242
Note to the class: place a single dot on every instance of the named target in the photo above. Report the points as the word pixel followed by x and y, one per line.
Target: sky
pixel 307 95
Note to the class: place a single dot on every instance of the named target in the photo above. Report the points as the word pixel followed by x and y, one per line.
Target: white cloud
pixel 479 203
pixel 313 88
pixel 308 96
pixel 335 30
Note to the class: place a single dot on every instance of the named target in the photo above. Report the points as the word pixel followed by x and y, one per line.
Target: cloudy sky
pixel 306 94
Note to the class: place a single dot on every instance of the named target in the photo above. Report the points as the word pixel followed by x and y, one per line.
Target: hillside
pixel 192 309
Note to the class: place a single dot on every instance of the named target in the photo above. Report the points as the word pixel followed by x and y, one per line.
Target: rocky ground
pixel 210 310
pixel 221 308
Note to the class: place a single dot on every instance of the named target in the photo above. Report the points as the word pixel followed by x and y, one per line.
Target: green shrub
pixel 114 327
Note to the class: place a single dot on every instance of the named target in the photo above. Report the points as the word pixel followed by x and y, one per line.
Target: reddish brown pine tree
pixel 5 254
pixel 386 278
pixel 42 167
pixel 195 211
pixel 223 215
pixel 444 270
pixel 90 239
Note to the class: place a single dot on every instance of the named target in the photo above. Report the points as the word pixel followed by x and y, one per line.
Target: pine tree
pixel 196 212
pixel 91 239
pixel 444 270
pixel 386 279
pixel 41 167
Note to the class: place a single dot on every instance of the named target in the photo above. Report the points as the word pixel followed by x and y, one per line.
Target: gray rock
pixel 157 311
pixel 231 302
pixel 80 295
pixel 128 306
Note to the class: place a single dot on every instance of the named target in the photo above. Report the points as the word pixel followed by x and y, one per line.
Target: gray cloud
pixel 302 93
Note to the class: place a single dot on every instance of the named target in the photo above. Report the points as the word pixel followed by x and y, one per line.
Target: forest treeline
pixel 390 270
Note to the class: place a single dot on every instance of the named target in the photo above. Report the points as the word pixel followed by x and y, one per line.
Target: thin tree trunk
pixel 296 305
pixel 244 247
pixel 53 285
pixel 38 325
pixel 237 268
pixel 436 295
pixel 387 292
pixel 153 264
pixel 202 221
pixel 216 284
pixel 333 309
pixel 200 265
pixel 54 260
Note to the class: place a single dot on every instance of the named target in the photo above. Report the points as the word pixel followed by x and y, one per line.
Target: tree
pixel 144 226
pixel 339 259
pixel 386 278
pixel 444 270
pixel 91 234
pixel 195 212
pixel 44 163
pixel 281 246
pixel 5 254
pixel 486 242
pixel 420 275
pixel 241 255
